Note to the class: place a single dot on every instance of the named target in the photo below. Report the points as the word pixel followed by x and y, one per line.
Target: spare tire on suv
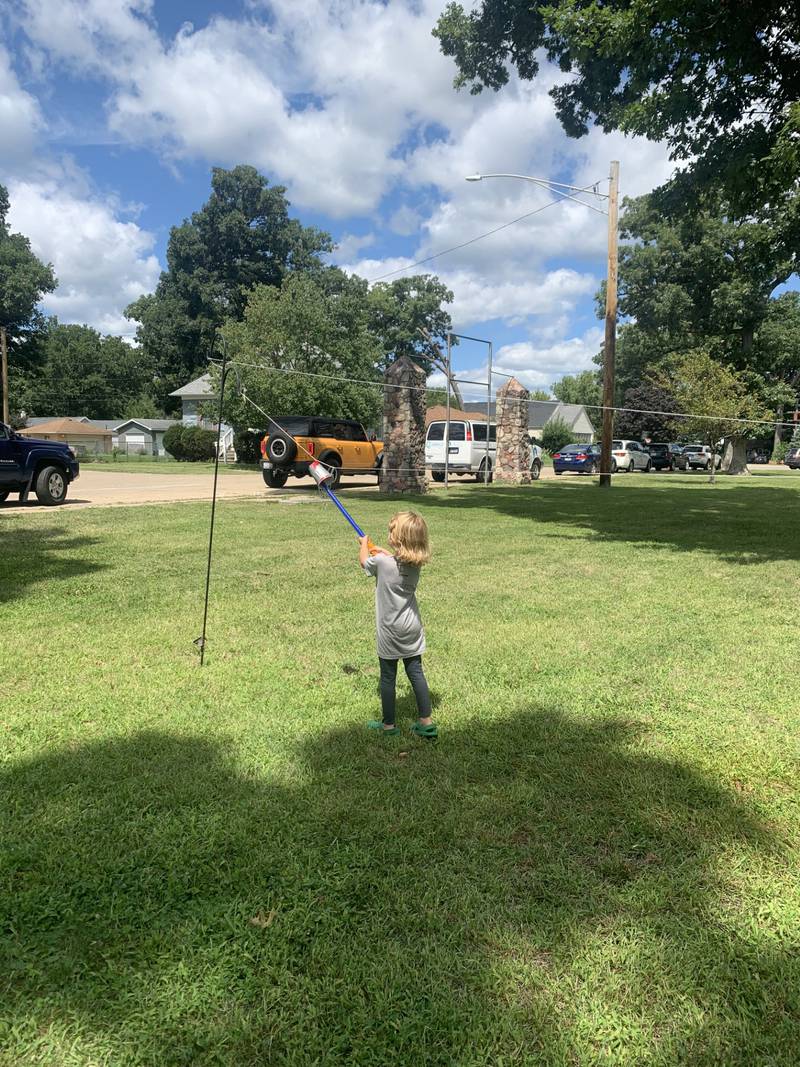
pixel 281 448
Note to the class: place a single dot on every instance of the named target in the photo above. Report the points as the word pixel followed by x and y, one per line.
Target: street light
pixel 609 346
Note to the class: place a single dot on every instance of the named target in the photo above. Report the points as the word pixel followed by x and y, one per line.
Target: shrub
pixel 173 439
pixel 555 435
pixel 795 441
pixel 190 442
pixel 248 446
pixel 779 455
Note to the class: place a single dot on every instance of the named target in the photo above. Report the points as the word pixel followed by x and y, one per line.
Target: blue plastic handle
pixel 344 511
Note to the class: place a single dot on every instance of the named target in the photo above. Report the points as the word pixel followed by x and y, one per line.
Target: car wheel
pixel 3 495
pixel 648 467
pixel 557 473
pixel 631 467
pixel 334 466
pixel 281 449
pixel 536 470
pixel 481 475
pixel 438 476
pixel 275 479
pixel 51 486
pixel 613 466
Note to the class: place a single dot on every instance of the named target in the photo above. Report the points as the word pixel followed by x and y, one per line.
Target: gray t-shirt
pixel 399 627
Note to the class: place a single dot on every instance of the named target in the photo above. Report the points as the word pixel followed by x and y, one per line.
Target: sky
pixel 113 112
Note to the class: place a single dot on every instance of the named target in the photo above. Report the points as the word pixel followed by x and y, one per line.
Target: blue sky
pixel 116 110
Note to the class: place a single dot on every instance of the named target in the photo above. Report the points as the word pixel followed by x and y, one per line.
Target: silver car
pixel 698 457
pixel 629 456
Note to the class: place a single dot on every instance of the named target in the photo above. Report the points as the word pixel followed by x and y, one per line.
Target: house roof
pixel 540 412
pixel 147 424
pixel 71 426
pixel 439 411
pixel 199 389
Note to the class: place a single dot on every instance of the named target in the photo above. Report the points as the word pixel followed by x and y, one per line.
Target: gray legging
pixel 415 674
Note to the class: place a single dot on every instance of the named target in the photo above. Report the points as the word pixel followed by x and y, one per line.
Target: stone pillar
pixel 403 468
pixel 513 464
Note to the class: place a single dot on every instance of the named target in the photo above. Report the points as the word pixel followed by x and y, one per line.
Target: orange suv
pixel 342 445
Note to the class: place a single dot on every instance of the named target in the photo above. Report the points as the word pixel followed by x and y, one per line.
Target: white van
pixel 468 453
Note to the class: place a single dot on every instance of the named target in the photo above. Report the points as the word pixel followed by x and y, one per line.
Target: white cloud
pixel 101 262
pixel 21 119
pixel 537 367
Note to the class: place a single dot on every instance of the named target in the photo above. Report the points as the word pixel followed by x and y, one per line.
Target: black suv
pixel 47 467
pixel 664 455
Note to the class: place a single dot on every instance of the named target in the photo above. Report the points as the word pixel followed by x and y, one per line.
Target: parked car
pixel 629 456
pixel 467 447
pixel 664 454
pixel 46 467
pixel 758 455
pixel 342 445
pixel 698 457
pixel 792 459
pixel 578 458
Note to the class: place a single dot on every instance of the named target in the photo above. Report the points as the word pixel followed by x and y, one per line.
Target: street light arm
pixel 554 187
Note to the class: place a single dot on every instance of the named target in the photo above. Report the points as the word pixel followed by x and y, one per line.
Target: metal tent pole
pixel 201 641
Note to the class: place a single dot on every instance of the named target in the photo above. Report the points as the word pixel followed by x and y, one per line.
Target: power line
pixel 464 244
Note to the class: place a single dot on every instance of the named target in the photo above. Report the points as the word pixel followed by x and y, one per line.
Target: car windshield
pixel 573 448
pixel 658 448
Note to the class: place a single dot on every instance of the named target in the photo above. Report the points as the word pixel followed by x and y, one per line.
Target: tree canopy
pixel 717 83
pixel 79 372
pixel 242 237
pixel 583 388
pixel 24 280
pixel 317 324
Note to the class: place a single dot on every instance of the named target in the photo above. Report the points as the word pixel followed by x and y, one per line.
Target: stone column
pixel 403 468
pixel 513 464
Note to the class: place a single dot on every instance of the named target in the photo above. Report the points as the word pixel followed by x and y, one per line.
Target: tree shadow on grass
pixel 41 554
pixel 742 523
pixel 532 891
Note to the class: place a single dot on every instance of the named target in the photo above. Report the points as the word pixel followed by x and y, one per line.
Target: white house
pixel 540 412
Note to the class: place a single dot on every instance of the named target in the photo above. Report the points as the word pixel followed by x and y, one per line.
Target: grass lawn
pixel 596 864
pixel 161 465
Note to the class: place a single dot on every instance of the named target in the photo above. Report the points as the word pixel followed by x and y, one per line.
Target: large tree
pixel 708 280
pixel 295 347
pixel 24 280
pixel 583 388
pixel 715 81
pixel 718 402
pixel 242 237
pixel 409 319
pixel 79 372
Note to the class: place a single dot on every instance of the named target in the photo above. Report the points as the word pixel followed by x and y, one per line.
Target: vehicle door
pixel 481 446
pixel 325 430
pixel 12 457
pixel 460 444
pixel 640 456
pixel 359 447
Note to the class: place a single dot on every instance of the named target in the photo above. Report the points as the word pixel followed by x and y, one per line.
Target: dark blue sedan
pixel 578 459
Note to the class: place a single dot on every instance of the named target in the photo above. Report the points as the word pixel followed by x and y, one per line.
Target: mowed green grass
pixel 596 864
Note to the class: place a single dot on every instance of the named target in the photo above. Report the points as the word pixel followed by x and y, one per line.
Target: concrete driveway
pixel 103 488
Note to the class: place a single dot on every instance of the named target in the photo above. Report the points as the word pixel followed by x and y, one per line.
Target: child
pixel 400 633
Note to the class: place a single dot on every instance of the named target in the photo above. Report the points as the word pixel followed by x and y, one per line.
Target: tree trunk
pixel 734 456
pixel 442 366
pixel 778 429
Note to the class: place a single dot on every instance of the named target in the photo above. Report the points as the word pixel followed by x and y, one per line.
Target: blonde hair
pixel 408 536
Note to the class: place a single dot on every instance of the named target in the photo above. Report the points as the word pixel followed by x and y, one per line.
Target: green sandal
pixel 429 732
pixel 376 724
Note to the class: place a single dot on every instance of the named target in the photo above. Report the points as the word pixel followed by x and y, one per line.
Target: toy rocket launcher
pixel 321 476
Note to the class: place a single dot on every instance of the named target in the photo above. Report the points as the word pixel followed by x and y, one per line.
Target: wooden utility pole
pixel 610 344
pixel 4 360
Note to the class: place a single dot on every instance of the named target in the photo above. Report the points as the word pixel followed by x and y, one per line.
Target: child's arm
pixel 363 550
